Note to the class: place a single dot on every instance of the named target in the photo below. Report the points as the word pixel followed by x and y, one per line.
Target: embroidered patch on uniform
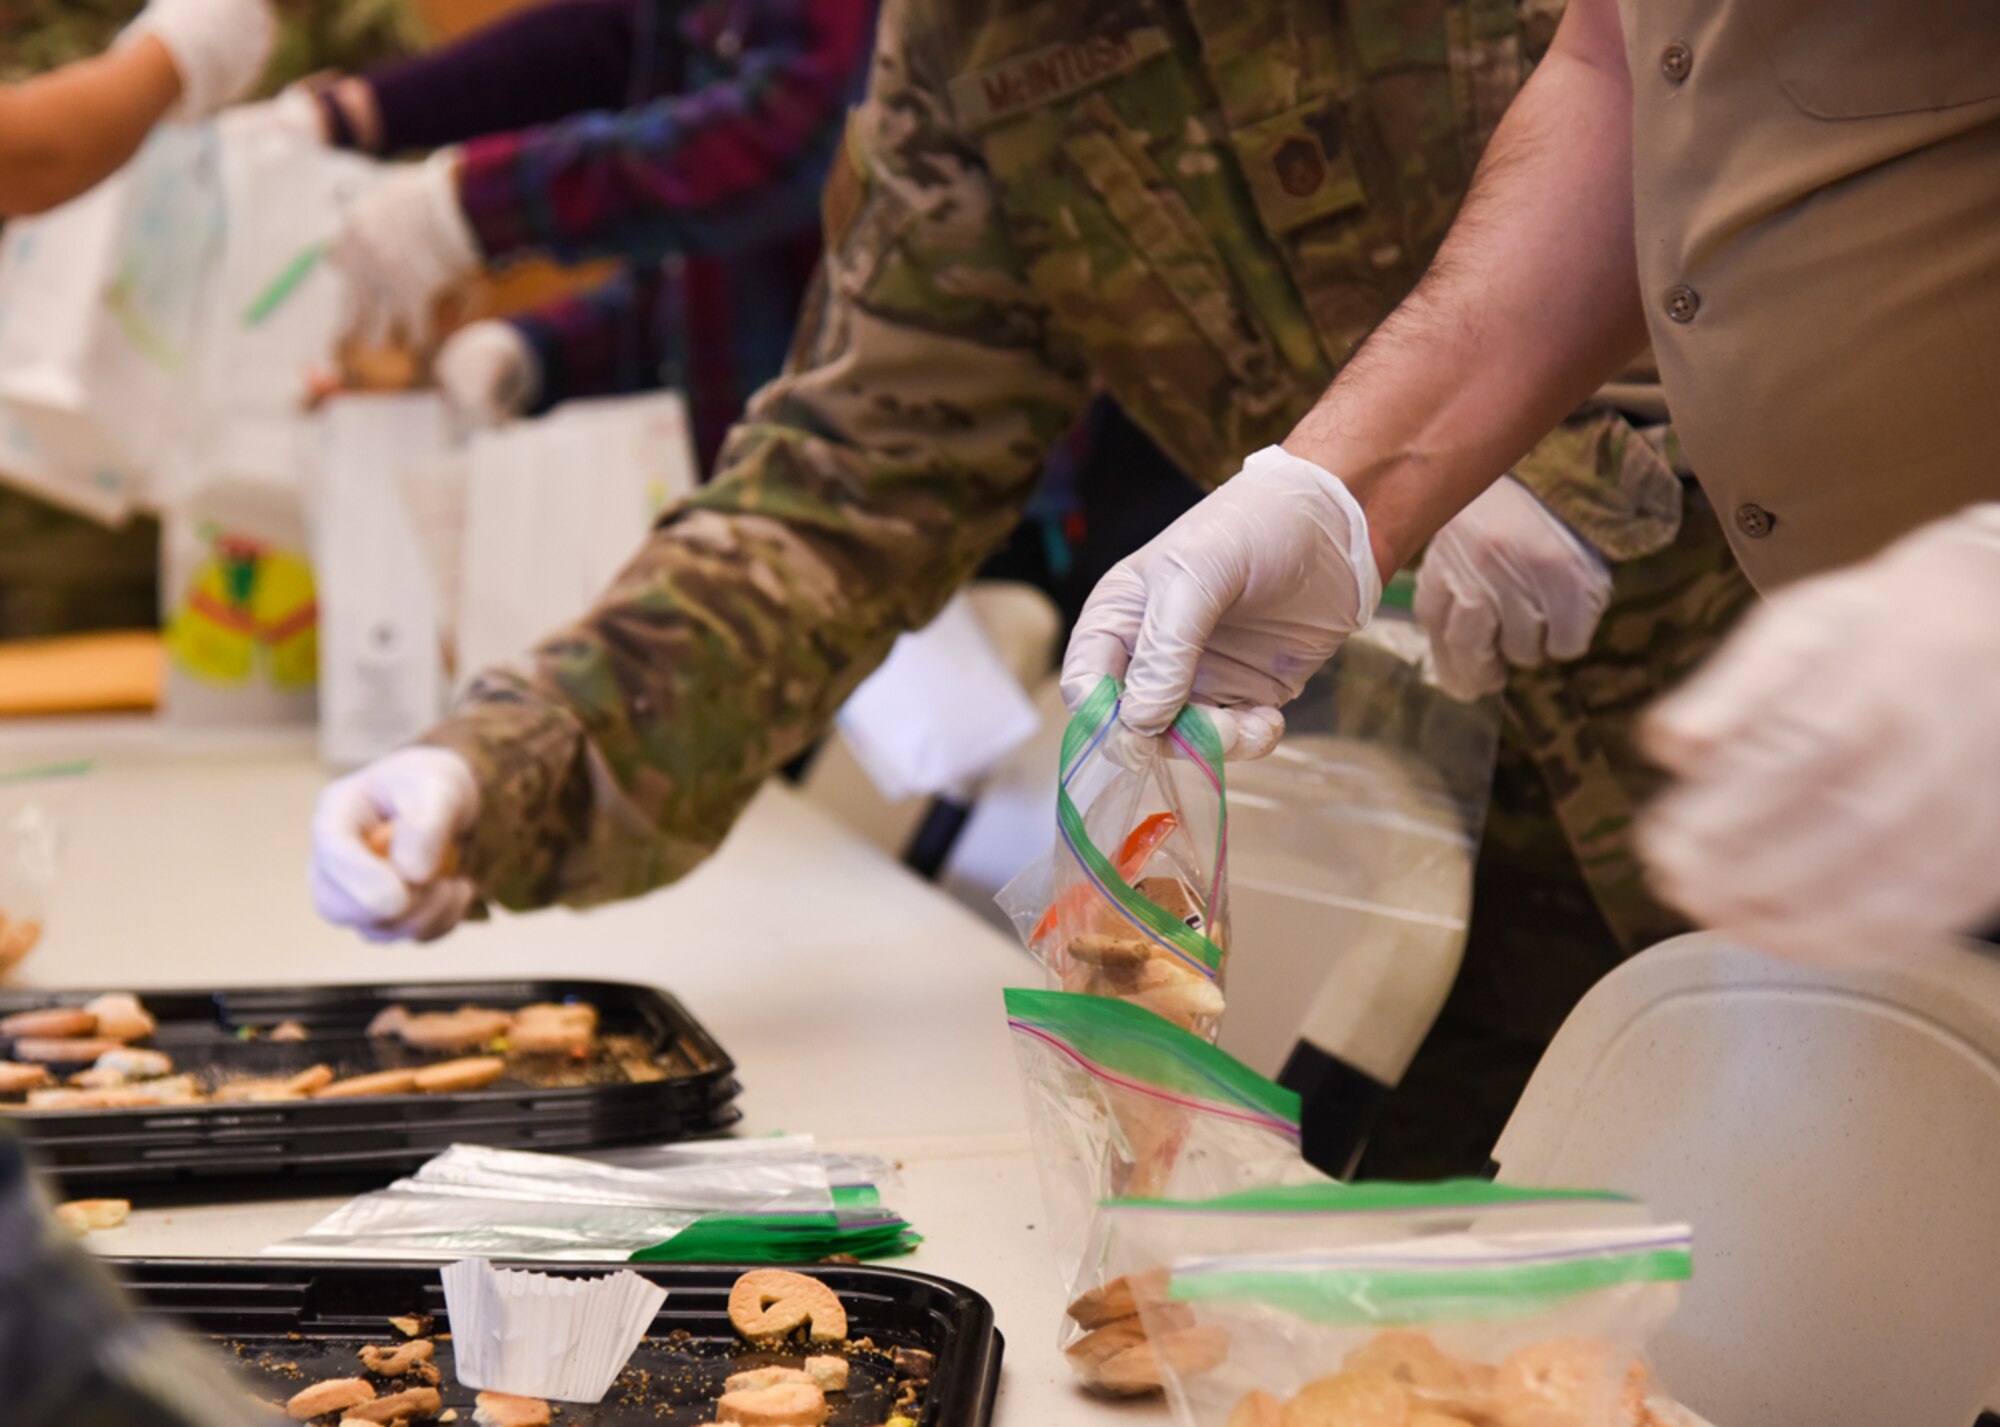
pixel 1050 73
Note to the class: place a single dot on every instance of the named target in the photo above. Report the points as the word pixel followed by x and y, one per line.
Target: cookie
pixel 1436 1380
pixel 788 1404
pixel 503 1409
pixel 341 1394
pixel 80 1216
pixel 53 1022
pixel 463 1029
pixel 380 1082
pixel 1565 1382
pixel 1120 1298
pixel 829 1374
pixel 770 1302
pixel 1255 1408
pixel 121 1017
pixel 17 1079
pixel 468 1074
pixel 396 1359
pixel 414 1402
pixel 1185 1353
pixel 1348 1400
pixel 750 1379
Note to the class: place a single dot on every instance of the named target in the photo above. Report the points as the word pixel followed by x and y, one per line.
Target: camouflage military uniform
pixel 1201 205
pixel 72 1354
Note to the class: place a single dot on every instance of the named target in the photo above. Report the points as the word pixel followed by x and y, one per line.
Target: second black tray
pixel 287 1325
pixel 227 1032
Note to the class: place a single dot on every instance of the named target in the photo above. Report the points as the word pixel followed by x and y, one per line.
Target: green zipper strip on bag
pixel 45 772
pixel 1376 1197
pixel 1457 1292
pixel 1132 1041
pixel 1084 727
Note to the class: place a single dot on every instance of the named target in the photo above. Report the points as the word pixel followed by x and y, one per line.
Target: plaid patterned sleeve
pixel 732 162
pixel 73 1353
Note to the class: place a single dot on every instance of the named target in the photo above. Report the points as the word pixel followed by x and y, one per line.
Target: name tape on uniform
pixel 1053 72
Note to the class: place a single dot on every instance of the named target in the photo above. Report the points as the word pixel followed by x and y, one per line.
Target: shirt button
pixel 1676 61
pixel 1299 167
pixel 1682 303
pixel 1754 521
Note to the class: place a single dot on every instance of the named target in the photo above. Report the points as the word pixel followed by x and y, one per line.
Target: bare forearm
pixel 1532 302
pixel 65 131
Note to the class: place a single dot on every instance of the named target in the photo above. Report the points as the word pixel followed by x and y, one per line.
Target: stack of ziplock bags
pixel 771 1200
pixel 1200 1253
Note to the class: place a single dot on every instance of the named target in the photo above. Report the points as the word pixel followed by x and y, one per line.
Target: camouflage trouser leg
pixel 1559 899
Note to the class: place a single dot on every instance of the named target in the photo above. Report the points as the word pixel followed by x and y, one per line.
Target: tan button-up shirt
pixel 1817 188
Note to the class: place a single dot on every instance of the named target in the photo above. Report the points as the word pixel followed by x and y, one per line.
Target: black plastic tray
pixel 386 1133
pixel 287 1325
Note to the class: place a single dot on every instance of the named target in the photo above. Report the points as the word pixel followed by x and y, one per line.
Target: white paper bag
pixel 941 711
pixel 555 508
pixel 382 673
pixel 98 309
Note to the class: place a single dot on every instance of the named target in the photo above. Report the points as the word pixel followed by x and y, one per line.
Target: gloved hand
pixel 488 372
pixel 220 47
pixel 1233 606
pixel 1839 759
pixel 1506 582
pixel 429 798
pixel 294 116
pixel 401 246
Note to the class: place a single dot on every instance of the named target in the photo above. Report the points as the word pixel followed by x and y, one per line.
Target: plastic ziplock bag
pixel 476 1202
pixel 31 820
pixel 1121 1102
pixel 1387 1305
pixel 1352 853
pixel 1133 901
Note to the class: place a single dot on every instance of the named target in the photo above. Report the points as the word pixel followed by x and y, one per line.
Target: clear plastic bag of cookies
pixel 1123 1103
pixel 1455 1305
pixel 33 803
pixel 1132 902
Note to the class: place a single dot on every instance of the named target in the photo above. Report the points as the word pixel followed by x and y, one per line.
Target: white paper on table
pixel 941 711
pixel 536 1335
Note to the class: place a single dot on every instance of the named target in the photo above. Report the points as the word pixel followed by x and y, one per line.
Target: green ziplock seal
pixel 1132 1041
pixel 1375 1197
pixel 48 772
pixel 1401 591
pixel 1449 1292
pixel 856 1196
pixel 280 288
pixel 1198 730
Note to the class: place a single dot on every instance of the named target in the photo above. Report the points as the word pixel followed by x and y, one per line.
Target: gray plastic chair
pixel 1834 1139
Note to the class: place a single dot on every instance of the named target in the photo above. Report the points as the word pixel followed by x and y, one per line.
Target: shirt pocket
pixel 1859 59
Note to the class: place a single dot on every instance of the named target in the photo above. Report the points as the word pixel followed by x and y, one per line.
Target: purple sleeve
pixel 545 63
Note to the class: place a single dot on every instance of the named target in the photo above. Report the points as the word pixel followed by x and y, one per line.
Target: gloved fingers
pixel 435 910
pixel 1247 733
pixel 1464 645
pixel 1180 619
pixel 1523 633
pixel 1100 647
pixel 349 893
pixel 426 819
pixel 1753 672
pixel 1573 621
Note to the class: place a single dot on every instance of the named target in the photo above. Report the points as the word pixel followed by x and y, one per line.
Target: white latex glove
pixel 401 246
pixel 293 116
pixel 1506 582
pixel 429 797
pixel 1839 759
pixel 1233 606
pixel 220 48
pixel 488 372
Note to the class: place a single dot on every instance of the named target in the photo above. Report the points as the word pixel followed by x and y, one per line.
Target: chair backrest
pixel 1834 1138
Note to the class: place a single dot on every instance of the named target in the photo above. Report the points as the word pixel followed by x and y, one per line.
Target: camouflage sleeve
pixel 861 488
pixel 73 1353
pixel 1617 484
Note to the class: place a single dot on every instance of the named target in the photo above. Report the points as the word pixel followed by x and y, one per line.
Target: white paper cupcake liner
pixel 536 1335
